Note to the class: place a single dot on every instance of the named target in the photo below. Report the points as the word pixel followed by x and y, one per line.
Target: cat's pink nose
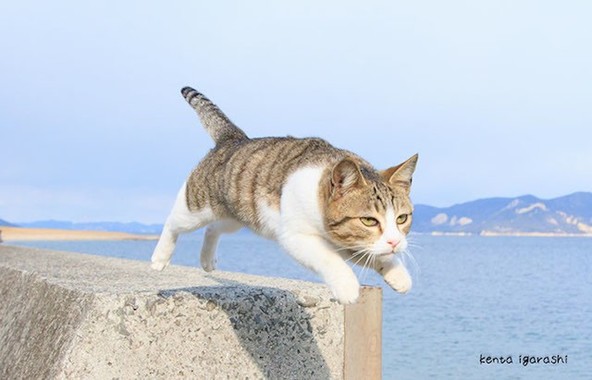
pixel 392 242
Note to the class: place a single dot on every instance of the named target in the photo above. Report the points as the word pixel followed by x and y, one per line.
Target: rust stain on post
pixel 363 336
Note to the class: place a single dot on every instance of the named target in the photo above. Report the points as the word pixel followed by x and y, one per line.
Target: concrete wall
pixel 70 315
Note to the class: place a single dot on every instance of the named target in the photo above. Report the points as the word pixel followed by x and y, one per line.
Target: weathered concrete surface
pixel 70 315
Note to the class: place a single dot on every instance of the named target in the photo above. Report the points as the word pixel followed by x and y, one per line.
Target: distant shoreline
pixel 9 234
pixel 498 234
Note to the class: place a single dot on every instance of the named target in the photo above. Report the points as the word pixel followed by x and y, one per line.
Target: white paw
pixel 159 264
pixel 208 264
pixel 400 281
pixel 346 291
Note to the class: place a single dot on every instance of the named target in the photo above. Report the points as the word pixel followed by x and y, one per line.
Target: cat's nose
pixel 393 242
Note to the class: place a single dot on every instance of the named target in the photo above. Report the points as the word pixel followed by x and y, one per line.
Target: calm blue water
pixel 472 296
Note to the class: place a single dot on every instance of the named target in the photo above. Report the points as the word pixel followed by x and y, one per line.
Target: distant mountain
pixel 5 223
pixel 571 214
pixel 133 227
pixel 568 215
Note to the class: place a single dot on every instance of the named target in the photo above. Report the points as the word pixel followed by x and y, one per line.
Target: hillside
pixel 568 215
pixel 5 223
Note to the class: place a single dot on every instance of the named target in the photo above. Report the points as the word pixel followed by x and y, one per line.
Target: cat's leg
pixel 210 243
pixel 180 220
pixel 394 273
pixel 315 253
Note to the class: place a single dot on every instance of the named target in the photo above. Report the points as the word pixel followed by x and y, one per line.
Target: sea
pixel 480 307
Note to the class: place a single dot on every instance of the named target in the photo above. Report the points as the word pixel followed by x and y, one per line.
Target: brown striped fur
pixel 234 176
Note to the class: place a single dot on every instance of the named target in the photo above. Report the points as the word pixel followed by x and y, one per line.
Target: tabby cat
pixel 325 206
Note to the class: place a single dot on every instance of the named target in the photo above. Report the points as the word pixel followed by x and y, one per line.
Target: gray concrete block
pixel 69 315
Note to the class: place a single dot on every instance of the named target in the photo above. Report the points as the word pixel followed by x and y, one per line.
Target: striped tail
pixel 220 128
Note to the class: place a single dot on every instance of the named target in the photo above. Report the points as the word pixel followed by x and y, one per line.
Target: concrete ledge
pixel 70 315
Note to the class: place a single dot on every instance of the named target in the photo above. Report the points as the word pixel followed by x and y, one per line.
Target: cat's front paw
pixel 346 291
pixel 399 280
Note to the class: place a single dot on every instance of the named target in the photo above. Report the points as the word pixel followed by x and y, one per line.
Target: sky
pixel 495 96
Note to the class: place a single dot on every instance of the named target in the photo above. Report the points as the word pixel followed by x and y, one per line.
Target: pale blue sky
pixel 494 95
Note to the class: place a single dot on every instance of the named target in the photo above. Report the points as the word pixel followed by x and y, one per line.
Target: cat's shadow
pixel 269 324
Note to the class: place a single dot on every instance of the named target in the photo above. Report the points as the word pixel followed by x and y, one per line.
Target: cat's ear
pixel 402 174
pixel 345 176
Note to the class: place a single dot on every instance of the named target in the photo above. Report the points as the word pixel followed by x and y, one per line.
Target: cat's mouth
pixel 384 254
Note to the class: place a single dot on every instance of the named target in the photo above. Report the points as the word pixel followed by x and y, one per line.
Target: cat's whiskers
pixel 366 260
pixel 357 254
pixel 362 269
pixel 354 248
pixel 411 242
pixel 367 265
pixel 360 255
pixel 406 254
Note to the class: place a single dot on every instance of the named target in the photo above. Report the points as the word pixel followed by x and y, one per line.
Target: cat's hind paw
pixel 208 264
pixel 159 265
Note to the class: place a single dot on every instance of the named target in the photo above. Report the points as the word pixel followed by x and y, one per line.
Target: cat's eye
pixel 369 222
pixel 402 218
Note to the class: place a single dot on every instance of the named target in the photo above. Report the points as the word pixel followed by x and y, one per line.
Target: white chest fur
pixel 300 208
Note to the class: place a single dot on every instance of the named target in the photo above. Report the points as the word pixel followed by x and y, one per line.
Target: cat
pixel 325 206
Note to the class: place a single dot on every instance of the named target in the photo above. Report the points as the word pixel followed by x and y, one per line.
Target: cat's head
pixel 369 212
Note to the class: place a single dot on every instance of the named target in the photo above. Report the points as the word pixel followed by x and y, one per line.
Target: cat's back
pixel 267 162
pixel 286 154
pixel 236 178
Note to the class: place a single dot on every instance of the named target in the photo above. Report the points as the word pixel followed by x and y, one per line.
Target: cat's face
pixel 369 213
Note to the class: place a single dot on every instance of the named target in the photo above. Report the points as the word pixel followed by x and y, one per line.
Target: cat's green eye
pixel 402 218
pixel 369 222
